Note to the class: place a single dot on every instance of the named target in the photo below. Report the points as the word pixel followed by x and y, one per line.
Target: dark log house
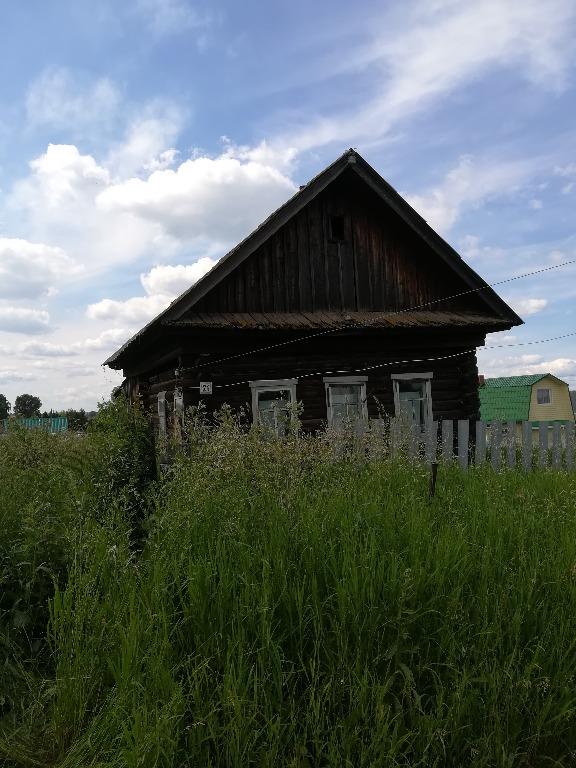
pixel 344 300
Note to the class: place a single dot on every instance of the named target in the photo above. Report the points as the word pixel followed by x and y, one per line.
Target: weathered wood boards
pixel 511 445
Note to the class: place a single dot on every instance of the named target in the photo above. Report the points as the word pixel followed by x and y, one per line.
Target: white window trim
pixel 328 380
pixel 549 394
pixel 270 385
pixel 426 378
pixel 408 376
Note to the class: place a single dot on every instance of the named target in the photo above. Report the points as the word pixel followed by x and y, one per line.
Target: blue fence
pixel 52 425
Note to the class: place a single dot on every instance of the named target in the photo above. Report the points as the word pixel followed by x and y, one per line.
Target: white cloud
pixel 557 366
pixel 58 99
pixel 173 280
pixel 139 309
pixel 166 17
pixel 162 284
pixel 36 349
pixel 10 376
pixel 63 175
pixel 55 203
pixel 218 199
pixel 565 170
pixel 470 184
pixel 438 47
pixel 30 270
pixel 472 249
pixel 202 207
pixel 68 369
pixel 500 337
pixel 147 143
pixel 18 320
pixel 527 307
pixel 109 339
pixel 535 204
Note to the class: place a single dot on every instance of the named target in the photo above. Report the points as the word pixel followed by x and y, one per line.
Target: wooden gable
pixel 345 250
pixel 347 242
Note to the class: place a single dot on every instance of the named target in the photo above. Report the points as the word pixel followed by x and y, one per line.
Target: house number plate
pixel 205 387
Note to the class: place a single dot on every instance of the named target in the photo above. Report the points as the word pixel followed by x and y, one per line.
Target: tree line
pixel 29 407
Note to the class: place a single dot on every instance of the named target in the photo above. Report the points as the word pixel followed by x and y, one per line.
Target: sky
pixel 140 140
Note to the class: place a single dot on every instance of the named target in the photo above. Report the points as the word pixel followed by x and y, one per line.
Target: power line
pixel 413 360
pixel 529 343
pixel 365 368
pixel 328 331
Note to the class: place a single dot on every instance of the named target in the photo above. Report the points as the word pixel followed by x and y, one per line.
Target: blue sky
pixel 140 140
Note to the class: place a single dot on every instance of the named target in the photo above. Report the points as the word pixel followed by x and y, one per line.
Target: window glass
pixel 543 396
pixel 413 400
pixel 274 409
pixel 345 402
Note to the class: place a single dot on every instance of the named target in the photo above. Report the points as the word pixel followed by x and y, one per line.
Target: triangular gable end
pixel 444 274
pixel 386 257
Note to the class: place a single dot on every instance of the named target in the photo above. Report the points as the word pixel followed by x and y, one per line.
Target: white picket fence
pixel 501 444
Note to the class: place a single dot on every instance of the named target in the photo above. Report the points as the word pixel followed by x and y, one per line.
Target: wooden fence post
pixel 511 444
pixel 527 445
pixel 480 442
pixel 543 447
pixel 556 446
pixel 569 450
pixel 495 443
pixel 447 441
pixel 463 437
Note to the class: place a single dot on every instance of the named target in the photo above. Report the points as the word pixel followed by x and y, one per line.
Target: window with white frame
pixel 413 397
pixel 543 397
pixel 345 398
pixel 272 403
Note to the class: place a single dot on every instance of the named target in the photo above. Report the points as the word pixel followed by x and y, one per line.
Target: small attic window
pixel 337 229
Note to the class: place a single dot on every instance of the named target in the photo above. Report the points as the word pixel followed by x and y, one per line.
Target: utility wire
pixel 328 331
pixel 414 360
pixel 529 343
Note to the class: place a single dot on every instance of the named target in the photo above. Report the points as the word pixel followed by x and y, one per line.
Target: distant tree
pixel 77 420
pixel 27 406
pixel 4 407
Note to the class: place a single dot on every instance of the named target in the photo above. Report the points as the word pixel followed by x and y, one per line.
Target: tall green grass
pixel 288 609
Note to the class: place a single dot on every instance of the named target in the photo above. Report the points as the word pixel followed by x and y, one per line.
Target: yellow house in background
pixel 536 398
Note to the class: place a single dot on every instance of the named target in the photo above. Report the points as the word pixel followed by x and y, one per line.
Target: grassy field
pixel 265 605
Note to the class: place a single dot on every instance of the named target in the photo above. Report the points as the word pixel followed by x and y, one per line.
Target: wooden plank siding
pixel 378 265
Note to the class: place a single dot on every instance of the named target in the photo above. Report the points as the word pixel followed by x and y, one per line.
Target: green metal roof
pixel 507 398
pixel 515 381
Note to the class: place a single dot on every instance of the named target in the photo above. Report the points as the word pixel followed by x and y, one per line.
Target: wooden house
pixel 344 300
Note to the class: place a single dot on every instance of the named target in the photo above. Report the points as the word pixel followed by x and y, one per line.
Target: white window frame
pixel 270 385
pixel 549 390
pixel 424 377
pixel 345 380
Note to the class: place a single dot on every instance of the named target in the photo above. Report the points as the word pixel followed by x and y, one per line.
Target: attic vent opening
pixel 336 229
